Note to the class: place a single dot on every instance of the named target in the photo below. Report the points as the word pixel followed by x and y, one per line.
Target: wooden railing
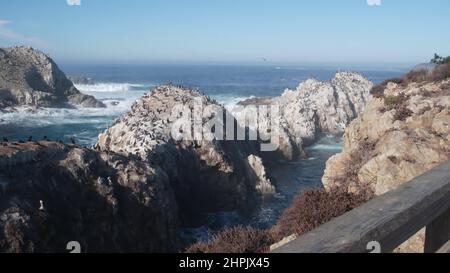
pixel 388 220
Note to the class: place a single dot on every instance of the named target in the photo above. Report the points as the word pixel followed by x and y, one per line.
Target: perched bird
pixel 41 208
pixel 30 139
pixel 72 140
pixel 101 181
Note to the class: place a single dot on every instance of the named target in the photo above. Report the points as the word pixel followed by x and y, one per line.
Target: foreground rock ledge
pixel 106 202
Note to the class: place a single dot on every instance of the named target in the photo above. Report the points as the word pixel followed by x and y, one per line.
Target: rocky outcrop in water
pixel 29 77
pixel 403 133
pixel 106 202
pixel 206 175
pixel 315 108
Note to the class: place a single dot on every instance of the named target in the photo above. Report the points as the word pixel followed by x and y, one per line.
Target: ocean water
pixel 118 86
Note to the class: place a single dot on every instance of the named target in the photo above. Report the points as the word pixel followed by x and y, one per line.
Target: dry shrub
pixel 403 113
pixel 315 208
pixel 235 240
pixel 417 76
pixel 378 90
pixel 309 210
pixel 398 103
pixel 441 72
pixel 394 159
pixel 394 102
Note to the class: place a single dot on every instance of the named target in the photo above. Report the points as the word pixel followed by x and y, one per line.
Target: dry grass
pixel 378 90
pixel 314 208
pixel 235 240
pixel 417 76
pixel 441 72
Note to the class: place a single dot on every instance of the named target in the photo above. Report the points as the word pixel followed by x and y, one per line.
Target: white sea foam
pixel 328 143
pixel 117 103
pixel 109 87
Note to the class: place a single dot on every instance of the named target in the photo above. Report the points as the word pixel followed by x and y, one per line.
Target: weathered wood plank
pixel 445 249
pixel 438 233
pixel 389 219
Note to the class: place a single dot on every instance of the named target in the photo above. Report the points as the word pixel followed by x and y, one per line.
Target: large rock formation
pixel 29 77
pixel 315 108
pixel 106 202
pixel 206 175
pixel 403 133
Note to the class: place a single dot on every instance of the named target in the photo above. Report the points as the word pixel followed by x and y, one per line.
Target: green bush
pixel 440 60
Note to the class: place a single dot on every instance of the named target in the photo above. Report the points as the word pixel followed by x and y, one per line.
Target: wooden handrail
pixel 390 220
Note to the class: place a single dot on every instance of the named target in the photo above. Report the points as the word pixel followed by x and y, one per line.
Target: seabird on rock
pixel 41 208
pixel 101 181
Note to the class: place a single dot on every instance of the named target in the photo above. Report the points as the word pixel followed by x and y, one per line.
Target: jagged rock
pixel 29 77
pixel 132 209
pixel 81 80
pixel 206 175
pixel 399 136
pixel 264 186
pixel 315 108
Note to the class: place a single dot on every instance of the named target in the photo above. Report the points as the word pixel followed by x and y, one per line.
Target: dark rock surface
pixel 106 202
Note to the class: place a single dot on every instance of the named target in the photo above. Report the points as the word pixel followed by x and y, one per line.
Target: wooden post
pixel 438 233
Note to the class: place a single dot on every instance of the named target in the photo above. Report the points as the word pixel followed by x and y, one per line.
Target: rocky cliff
pixel 106 202
pixel 29 77
pixel 315 108
pixel 206 175
pixel 404 132
pixel 133 191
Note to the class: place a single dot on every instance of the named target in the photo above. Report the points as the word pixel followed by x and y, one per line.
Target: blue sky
pixel 230 31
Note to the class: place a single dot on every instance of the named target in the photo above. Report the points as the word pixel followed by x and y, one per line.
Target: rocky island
pixel 31 78
pixel 206 175
pixel 316 108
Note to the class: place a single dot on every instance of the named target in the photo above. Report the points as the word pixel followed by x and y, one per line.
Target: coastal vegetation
pixel 309 210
